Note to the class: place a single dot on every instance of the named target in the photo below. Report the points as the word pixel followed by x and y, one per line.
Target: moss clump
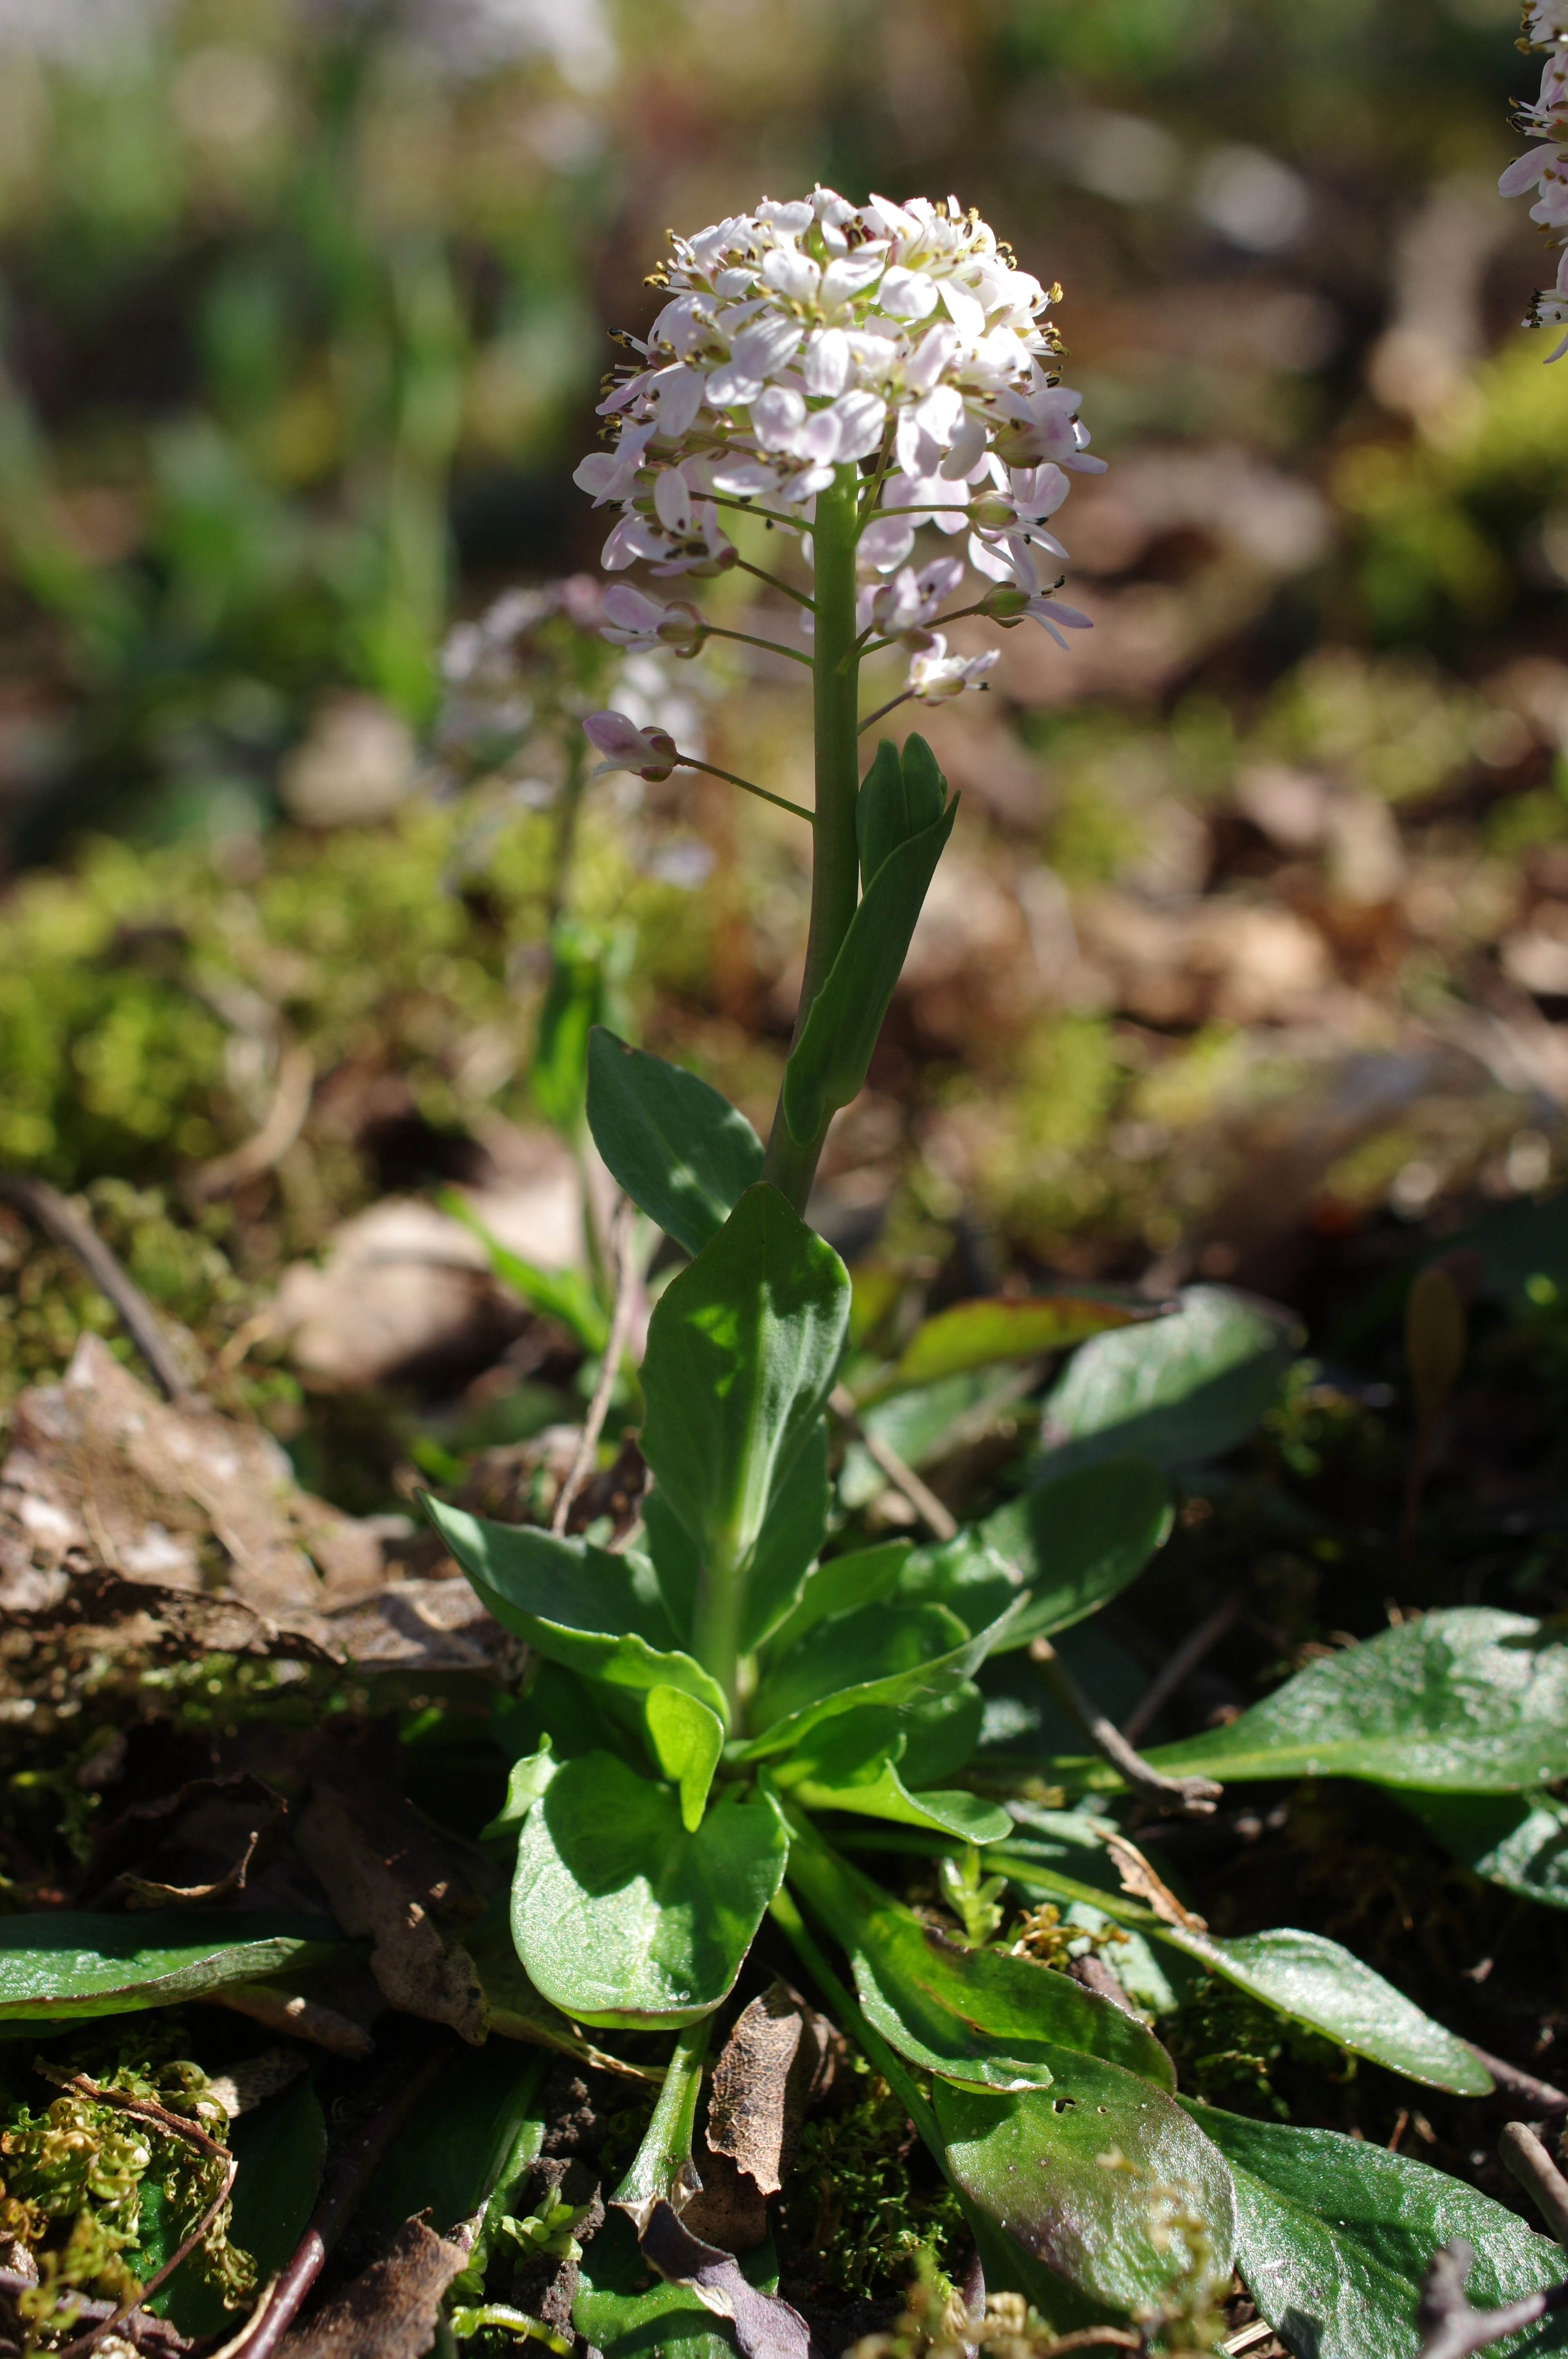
pixel 857 2209
pixel 1233 2052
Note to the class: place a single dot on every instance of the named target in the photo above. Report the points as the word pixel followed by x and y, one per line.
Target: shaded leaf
pixel 828 1061
pixel 624 2316
pixel 765 2327
pixel 483 2121
pixel 1521 1844
pixel 793 1531
pixel 743 1350
pixel 69 1963
pixel 514 2009
pixel 910 1691
pixel 1186 1387
pixel 853 1651
pixel 596 1612
pixel 900 797
pixel 279 2148
pixel 682 1152
pixel 969 1335
pixel 971 2014
pixel 838 1586
pixel 1101 2176
pixel 685 1740
pixel 1466 1700
pixel 1333 2236
pixel 621 1916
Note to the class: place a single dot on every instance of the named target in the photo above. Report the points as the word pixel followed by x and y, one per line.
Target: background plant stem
pixel 835 882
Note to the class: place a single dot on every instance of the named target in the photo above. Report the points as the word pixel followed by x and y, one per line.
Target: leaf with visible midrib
pixel 620 1914
pixel 74 1963
pixel 1184 1388
pixel 1086 2174
pixel 682 1152
pixel 1333 2236
pixel 969 1335
pixel 1466 1700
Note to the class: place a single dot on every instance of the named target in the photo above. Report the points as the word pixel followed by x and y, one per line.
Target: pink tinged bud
pixel 649 753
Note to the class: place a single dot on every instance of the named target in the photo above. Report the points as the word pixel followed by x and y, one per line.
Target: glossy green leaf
pixel 280 2149
pixel 474 2127
pixel 900 797
pixel 625 2312
pixel 1518 1842
pixel 1184 1388
pixel 794 1529
pixel 1101 2176
pixel 1069 1547
pixel 563 1294
pixel 66 1964
pixel 911 1690
pixel 597 1612
pixel 971 2014
pixel 526 1781
pixel 861 1577
pixel 514 2009
pixel 828 1061
pixel 1466 1700
pixel 855 1766
pixel 969 1335
pixel 622 1915
pixel 744 1347
pixel 685 1740
pixel 682 1152
pixel 1333 2236
pixel 852 1650
pixel 1305 1975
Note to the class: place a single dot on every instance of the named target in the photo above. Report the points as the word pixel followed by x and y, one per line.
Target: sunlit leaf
pixel 71 1963
pixel 682 1152
pixel 969 1335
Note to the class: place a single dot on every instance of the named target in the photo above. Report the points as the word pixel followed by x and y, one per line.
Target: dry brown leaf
pixel 1141 1882
pixel 390 2311
pixel 388 1878
pixel 763 2083
pixel 219 1820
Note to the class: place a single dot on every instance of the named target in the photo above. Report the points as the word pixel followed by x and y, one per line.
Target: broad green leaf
pixel 900 797
pixel 563 1294
pixel 1305 1975
pixel 1333 2236
pixel 625 2312
pixel 514 2009
pixel 1519 1842
pixel 793 1529
pixel 526 1781
pixel 970 2015
pixel 59 1965
pixel 743 1350
pixel 969 1335
pixel 1466 1701
pixel 852 1649
pixel 623 1916
pixel 462 2138
pixel 682 1152
pixel 843 1582
pixel 575 1005
pixel 854 1766
pixel 1185 1388
pixel 1101 2176
pixel 597 1613
pixel 1069 1547
pixel 280 2149
pixel 828 1063
pixel 686 1739
pixel 904 1691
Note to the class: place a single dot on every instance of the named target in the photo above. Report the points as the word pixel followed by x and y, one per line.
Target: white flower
pixel 904 607
pixel 935 675
pixel 1545 168
pixel 649 753
pixel 633 620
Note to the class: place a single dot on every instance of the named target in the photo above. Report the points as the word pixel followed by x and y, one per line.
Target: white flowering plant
pixel 729 1700
pixel 1543 167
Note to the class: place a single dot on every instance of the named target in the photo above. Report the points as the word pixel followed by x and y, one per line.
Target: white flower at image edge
pixel 1545 168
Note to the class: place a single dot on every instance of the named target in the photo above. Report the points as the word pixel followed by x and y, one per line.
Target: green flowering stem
pixel 836 873
pixel 688 762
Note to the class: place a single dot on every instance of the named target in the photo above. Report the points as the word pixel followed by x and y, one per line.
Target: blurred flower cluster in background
pixel 1250 953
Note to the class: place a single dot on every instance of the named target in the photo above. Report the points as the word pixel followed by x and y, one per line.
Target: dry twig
pixel 1522 2086
pixel 1454 2330
pixel 1525 2156
pixel 938 1520
pixel 1194 1796
pixel 1174 1673
pixel 622 1237
pixel 59 1216
pixel 269 1144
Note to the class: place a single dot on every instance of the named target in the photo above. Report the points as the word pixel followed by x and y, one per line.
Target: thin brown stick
pixel 171 2125
pixel 936 1518
pixel 269 1144
pixel 1454 2330
pixel 346 2182
pixel 1174 1675
pixel 1524 2154
pixel 1539 2096
pixel 622 1238
pixel 59 1217
pixel 1194 1796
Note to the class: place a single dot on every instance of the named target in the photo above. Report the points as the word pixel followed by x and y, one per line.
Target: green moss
pixel 855 2206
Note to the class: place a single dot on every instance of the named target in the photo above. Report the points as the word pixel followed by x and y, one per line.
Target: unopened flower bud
pixel 683 628
pixel 1005 604
pixel 992 513
pixel 648 753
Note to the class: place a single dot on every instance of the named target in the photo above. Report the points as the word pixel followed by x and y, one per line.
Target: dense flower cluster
pixel 1545 168
pixel 808 335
